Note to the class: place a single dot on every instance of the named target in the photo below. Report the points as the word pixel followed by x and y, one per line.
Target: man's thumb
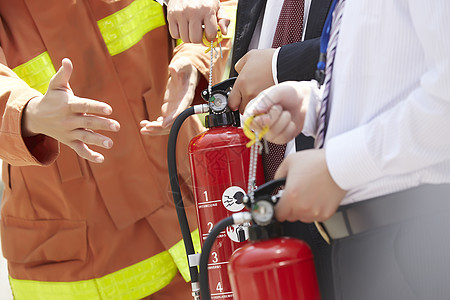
pixel 241 63
pixel 61 79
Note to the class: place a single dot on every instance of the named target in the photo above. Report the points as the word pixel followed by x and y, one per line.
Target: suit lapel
pixel 248 13
pixel 317 15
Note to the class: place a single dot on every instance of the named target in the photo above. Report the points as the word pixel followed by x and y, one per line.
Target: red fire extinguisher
pixel 270 266
pixel 219 162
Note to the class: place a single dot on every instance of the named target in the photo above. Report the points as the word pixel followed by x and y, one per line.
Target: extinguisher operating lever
pixel 268 187
pixel 223 86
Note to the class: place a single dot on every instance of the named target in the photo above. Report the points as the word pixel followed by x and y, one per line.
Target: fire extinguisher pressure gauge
pixel 218 102
pixel 263 212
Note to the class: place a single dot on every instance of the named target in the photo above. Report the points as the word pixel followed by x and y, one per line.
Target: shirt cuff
pixel 349 161
pixel 310 124
pixel 274 65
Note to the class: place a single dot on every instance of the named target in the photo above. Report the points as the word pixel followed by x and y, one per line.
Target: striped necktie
pixel 331 53
pixel 289 30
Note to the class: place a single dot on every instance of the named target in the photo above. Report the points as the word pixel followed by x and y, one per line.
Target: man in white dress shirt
pixel 381 184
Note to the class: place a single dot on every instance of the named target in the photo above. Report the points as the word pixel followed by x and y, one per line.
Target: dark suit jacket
pixel 296 61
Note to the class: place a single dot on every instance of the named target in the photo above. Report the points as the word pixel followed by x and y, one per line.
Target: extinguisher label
pixel 232 198
pixel 238 233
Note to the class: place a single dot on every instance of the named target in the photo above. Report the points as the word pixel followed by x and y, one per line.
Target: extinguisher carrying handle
pixel 237 218
pixel 175 185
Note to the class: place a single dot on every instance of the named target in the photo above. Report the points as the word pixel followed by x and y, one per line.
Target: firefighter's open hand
pixel 179 95
pixel 186 17
pixel 69 119
pixel 255 75
pixel 310 192
pixel 282 109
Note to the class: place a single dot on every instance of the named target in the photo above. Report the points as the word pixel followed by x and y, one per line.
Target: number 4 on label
pixel 219 287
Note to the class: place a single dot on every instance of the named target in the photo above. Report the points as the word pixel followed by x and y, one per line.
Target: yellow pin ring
pixel 251 134
pixel 216 41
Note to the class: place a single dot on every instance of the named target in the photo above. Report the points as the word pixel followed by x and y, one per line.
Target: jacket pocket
pixel 43 241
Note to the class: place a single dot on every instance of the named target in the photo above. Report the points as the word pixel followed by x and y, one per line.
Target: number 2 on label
pixel 211 225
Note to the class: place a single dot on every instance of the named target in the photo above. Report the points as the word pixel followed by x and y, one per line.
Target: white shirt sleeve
pixel 311 119
pixel 414 134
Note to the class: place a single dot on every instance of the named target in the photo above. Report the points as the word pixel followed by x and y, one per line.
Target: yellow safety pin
pixel 251 134
pixel 217 41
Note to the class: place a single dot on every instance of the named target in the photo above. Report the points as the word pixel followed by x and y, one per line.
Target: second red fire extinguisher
pixel 270 266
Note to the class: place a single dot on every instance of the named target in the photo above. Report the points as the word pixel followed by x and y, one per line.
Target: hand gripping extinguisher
pixel 219 161
pixel 270 267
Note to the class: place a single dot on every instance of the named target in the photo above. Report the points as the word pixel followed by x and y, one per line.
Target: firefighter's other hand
pixel 69 119
pixel 179 94
pixel 255 75
pixel 310 192
pixel 186 18
pixel 282 109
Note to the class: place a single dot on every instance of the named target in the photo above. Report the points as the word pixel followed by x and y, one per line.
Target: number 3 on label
pixel 215 259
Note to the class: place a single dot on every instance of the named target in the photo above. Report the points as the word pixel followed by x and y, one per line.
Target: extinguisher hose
pixel 175 185
pixel 237 218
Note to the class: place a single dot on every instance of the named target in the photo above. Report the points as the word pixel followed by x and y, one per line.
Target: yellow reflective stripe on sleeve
pixel 37 72
pixel 178 253
pixel 134 282
pixel 125 28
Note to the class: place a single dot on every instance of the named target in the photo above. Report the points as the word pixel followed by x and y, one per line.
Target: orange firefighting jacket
pixel 64 219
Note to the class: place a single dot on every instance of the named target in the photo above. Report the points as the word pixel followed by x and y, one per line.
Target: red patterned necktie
pixel 289 30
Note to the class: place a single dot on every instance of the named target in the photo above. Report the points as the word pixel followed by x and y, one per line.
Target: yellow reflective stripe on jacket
pixel 134 282
pixel 37 72
pixel 178 253
pixel 231 13
pixel 126 27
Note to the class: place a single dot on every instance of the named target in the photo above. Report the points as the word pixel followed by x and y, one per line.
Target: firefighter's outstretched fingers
pixel 69 119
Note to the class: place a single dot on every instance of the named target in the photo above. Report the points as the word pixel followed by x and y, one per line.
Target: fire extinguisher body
pixel 280 268
pixel 219 163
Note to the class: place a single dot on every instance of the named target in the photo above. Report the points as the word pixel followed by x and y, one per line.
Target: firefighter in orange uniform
pixel 87 211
